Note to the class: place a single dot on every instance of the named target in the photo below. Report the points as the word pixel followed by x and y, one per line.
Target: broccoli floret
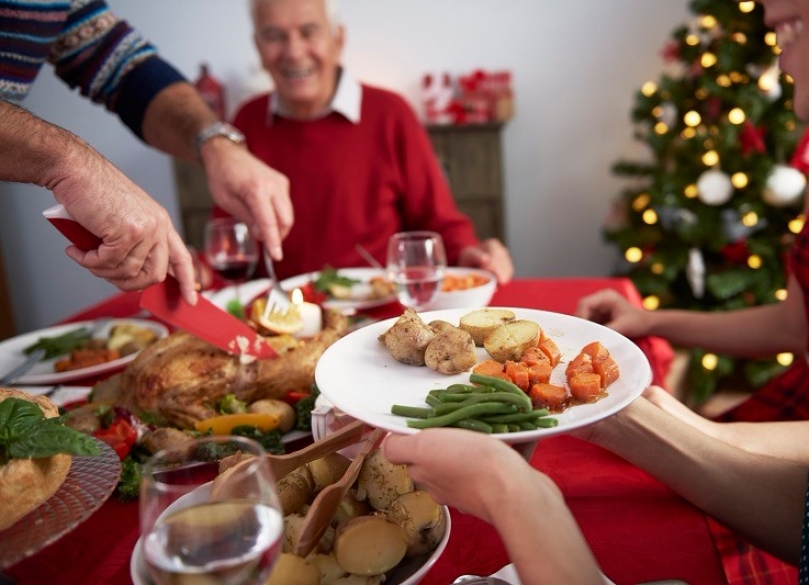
pixel 304 408
pixel 129 482
pixel 231 405
pixel 271 440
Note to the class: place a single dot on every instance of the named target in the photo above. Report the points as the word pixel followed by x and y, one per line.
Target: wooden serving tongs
pixel 326 502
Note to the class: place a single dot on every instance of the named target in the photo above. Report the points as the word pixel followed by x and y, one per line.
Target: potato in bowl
pixel 465 288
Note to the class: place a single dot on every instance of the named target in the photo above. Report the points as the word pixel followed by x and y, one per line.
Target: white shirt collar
pixel 347 100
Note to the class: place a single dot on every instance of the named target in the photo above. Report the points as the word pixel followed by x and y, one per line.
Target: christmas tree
pixel 706 219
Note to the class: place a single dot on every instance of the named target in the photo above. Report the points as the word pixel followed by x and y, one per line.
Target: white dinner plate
pixel 11 353
pixel 246 293
pixel 358 375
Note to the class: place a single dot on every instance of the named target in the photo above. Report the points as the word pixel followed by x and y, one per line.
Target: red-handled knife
pixel 204 320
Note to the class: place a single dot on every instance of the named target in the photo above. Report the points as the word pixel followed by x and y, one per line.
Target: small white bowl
pixel 471 298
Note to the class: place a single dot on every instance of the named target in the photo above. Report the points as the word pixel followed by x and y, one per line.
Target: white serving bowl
pixel 471 298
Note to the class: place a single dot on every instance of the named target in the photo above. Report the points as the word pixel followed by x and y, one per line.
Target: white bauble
pixel 785 185
pixel 714 187
pixel 668 114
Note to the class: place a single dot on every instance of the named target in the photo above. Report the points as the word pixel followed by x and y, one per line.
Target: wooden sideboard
pixel 470 155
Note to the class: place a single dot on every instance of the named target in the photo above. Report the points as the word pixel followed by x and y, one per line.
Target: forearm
pixel 556 551
pixel 35 151
pixel 759 496
pixel 174 118
pixel 753 332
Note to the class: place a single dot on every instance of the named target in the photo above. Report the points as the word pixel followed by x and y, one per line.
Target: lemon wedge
pixel 282 320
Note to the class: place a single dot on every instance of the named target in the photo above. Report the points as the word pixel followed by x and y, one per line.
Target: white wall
pixel 576 67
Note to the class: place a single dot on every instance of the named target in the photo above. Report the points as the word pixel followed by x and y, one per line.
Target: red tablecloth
pixel 639 529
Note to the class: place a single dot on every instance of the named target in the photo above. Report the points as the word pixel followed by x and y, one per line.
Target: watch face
pixel 219 129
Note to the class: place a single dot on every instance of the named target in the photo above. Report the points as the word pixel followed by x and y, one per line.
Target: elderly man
pixel 111 63
pixel 360 165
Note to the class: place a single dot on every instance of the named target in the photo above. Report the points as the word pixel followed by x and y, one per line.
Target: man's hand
pixel 139 243
pixel 489 255
pixel 249 190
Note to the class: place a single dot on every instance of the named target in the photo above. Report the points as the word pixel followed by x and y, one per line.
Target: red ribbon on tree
pixel 752 139
pixel 800 158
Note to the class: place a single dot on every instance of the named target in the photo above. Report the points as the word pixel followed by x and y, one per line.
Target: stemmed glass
pixel 230 250
pixel 223 531
pixel 415 264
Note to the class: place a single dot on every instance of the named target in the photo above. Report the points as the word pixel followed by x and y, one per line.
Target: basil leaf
pixel 26 433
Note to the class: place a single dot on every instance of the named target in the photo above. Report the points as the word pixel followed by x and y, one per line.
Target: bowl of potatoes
pixel 465 287
pixel 385 529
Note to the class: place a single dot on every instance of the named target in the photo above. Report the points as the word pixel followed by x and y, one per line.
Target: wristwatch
pixel 218 129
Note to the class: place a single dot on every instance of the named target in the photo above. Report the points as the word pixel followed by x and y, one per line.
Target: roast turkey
pixel 180 379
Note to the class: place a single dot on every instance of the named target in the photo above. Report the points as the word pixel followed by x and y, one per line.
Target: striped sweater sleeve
pixel 109 61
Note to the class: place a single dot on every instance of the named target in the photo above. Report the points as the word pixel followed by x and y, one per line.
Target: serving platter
pixel 359 377
pixel 11 352
pixel 90 481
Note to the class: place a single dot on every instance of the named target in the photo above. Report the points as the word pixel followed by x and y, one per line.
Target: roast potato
pixel 509 341
pixel 275 407
pixel 422 520
pixel 289 568
pixel 482 322
pixel 369 545
pixel 381 482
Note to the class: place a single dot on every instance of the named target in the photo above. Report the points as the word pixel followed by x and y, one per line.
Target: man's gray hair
pixel 332 11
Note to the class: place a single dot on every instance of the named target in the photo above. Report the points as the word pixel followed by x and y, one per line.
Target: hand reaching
pixel 489 255
pixel 608 307
pixel 250 191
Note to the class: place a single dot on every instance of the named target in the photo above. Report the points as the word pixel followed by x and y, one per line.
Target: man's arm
pixel 240 184
pixel 139 243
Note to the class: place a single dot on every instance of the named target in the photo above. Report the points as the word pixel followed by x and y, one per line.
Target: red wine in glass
pixel 230 250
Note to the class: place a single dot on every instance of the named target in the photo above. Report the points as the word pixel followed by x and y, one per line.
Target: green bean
pixel 501 385
pixel 446 407
pixel 513 428
pixel 527 426
pixel 462 396
pixel 411 411
pixel 498 428
pixel 466 388
pixel 546 422
pixel 517 417
pixel 471 411
pixel 473 424
pixel 432 400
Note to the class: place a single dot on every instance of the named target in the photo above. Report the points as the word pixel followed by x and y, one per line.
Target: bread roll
pixel 27 483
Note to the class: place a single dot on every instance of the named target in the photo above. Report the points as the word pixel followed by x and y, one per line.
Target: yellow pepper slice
pixel 225 423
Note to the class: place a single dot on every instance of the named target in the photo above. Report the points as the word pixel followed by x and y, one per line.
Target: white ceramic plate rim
pixel 11 352
pixel 358 375
pixel 364 275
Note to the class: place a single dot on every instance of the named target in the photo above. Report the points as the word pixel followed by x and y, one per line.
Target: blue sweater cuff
pixel 138 89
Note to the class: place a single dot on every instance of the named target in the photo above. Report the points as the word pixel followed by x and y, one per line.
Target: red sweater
pixel 355 183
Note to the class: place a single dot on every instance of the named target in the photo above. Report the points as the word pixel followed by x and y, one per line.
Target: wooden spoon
pixel 327 501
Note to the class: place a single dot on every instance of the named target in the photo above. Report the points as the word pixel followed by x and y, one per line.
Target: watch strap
pixel 218 129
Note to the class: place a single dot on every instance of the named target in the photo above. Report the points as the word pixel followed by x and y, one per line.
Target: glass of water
pixel 416 264
pixel 223 531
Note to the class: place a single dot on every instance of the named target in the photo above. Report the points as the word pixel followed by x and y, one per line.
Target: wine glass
pixel 416 263
pixel 224 531
pixel 230 250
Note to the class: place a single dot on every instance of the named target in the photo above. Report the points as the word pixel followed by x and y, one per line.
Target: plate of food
pixel 79 350
pixel 360 376
pixel 343 289
pixel 58 492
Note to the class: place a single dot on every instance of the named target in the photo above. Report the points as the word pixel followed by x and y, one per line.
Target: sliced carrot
pixel 540 373
pixel 595 350
pixel 549 347
pixel 533 356
pixel 581 363
pixel 547 395
pixel 584 386
pixel 607 369
pixel 488 368
pixel 518 372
